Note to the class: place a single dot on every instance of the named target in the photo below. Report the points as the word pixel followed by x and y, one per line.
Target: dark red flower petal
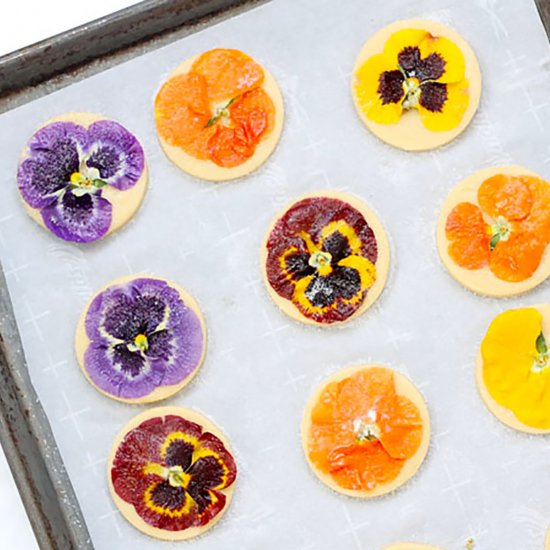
pixel 390 87
pixel 433 96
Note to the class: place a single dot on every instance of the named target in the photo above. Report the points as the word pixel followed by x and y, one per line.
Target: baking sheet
pixel 480 479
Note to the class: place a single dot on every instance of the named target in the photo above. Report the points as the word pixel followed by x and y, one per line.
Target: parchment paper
pixel 480 479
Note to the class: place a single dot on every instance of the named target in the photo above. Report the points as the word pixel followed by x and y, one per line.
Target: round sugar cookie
pixel 466 229
pixel 431 69
pixel 140 339
pixel 355 408
pixel 505 329
pixel 219 115
pixel 547 540
pixel 325 258
pixel 82 176
pixel 171 473
pixel 411 546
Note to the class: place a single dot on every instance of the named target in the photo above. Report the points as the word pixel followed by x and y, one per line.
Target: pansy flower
pixel 72 176
pixel 141 339
pixel 217 109
pixel 361 432
pixel 507 231
pixel 516 365
pixel 321 256
pixel 419 71
pixel 174 473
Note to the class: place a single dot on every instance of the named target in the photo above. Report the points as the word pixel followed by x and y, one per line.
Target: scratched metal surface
pixel 480 479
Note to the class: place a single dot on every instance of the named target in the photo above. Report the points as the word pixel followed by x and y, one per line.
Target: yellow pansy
pixel 416 70
pixel 516 366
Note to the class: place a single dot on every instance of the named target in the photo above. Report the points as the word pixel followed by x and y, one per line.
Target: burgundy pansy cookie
pixel 140 339
pixel 325 258
pixel 82 176
pixel 171 473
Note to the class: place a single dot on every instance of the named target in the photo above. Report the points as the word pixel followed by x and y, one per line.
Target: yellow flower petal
pixel 367 81
pixel 365 268
pixel 508 352
pixel 402 39
pixel 450 116
pixel 455 65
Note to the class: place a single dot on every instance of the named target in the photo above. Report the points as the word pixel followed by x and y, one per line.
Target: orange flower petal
pixel 182 113
pixel 228 73
pixel 401 429
pixel 256 112
pixel 517 258
pixel 468 233
pixel 507 196
pixel 363 467
pixel 363 391
pixel 538 221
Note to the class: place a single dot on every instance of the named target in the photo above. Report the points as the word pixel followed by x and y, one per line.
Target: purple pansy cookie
pixel 71 173
pixel 138 336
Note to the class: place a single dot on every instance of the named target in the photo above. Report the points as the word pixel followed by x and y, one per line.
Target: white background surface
pixel 21 24
pixel 480 479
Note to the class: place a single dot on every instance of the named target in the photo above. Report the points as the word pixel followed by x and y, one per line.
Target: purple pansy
pixel 66 169
pixel 142 336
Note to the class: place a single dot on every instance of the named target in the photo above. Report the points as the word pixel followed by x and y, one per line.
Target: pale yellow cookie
pixel 403 388
pixel 409 133
pixel 129 510
pixel 98 373
pixel 125 203
pixel 209 170
pixel 506 416
pixel 483 281
pixel 382 264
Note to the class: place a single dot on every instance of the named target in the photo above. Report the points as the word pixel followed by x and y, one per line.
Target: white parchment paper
pixel 480 479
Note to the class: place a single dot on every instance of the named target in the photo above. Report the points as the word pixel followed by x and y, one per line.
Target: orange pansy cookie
pixel 494 231
pixel 219 115
pixel 365 431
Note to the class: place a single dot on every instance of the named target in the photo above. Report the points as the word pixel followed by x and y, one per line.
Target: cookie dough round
pixel 403 388
pixel 547 541
pixel 410 546
pixel 382 262
pixel 169 319
pixel 103 175
pixel 173 424
pixel 483 281
pixel 409 133
pixel 507 416
pixel 209 170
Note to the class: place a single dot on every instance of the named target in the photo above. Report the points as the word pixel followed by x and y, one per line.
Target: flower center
pixel 411 87
pixel 86 180
pixel 221 113
pixel 366 430
pixel 140 343
pixel 176 477
pixel 320 259
pixel 542 356
pixel 500 231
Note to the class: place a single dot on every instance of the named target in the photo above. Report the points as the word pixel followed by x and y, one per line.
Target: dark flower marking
pixel 173 473
pixel 66 168
pixel 142 336
pixel 400 85
pixel 390 87
pixel 433 97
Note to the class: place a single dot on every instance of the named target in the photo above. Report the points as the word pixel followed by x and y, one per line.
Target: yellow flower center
pixel 80 180
pixel 319 259
pixel 176 477
pixel 141 342
pixel 411 87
